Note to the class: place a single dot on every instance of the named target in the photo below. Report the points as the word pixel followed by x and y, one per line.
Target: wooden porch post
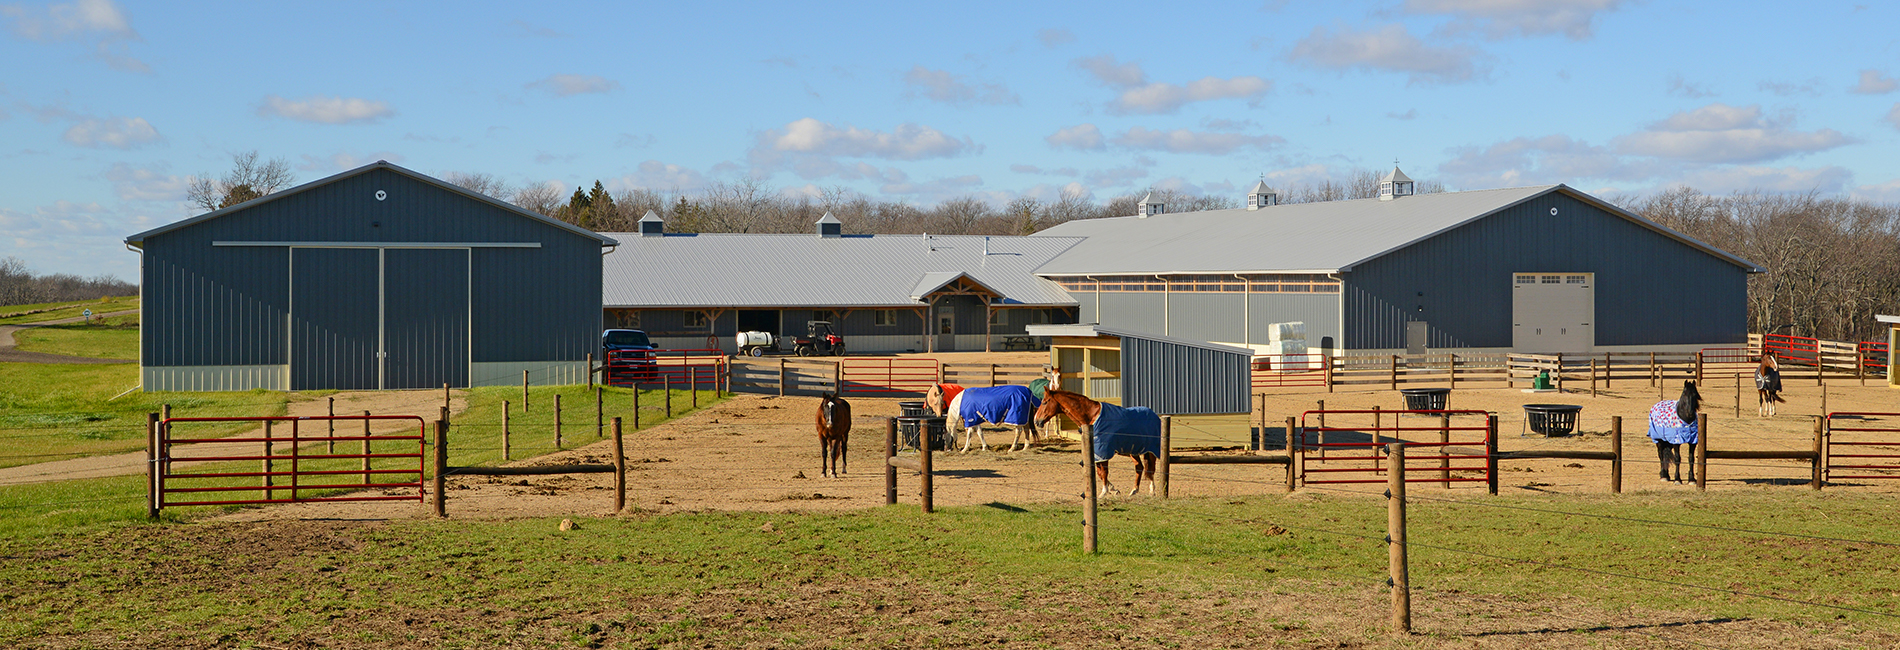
pixel 988 314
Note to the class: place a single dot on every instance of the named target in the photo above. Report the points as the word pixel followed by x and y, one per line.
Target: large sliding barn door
pixel 425 318
pixel 369 319
pixel 333 318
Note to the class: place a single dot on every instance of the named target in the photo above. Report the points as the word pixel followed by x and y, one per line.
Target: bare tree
pixel 542 199
pixel 480 182
pixel 248 179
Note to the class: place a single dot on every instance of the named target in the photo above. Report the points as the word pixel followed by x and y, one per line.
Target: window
pixel 696 320
pixel 1292 283
pixel 1553 279
pixel 1527 279
pixel 626 319
pixel 886 317
pixel 1576 279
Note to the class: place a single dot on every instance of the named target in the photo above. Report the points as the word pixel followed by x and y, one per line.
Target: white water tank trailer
pixel 756 343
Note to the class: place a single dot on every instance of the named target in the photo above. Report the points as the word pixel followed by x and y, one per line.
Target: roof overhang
pixel 1887 319
pixel 958 283
pixel 1088 330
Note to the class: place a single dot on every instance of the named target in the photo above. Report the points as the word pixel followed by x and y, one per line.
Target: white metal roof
pixel 1322 237
pixel 1091 330
pixel 805 270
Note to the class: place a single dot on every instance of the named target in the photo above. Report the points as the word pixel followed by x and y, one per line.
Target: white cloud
pixel 344 161
pixel 661 177
pixel 631 141
pixel 99 21
pixel 906 142
pixel 1081 136
pixel 1719 133
pixel 519 27
pixel 1053 37
pixel 1106 70
pixel 935 190
pixel 1032 169
pixel 1888 192
pixel 568 85
pixel 1722 180
pixel 82 239
pixel 1159 98
pixel 1893 116
pixel 954 89
pixel 145 183
pixel 1532 161
pixel 1810 88
pixel 1113 177
pixel 323 109
pixel 1407 115
pixel 1198 142
pixel 1684 88
pixel 1499 19
pixel 1874 82
pixel 1388 49
pixel 112 132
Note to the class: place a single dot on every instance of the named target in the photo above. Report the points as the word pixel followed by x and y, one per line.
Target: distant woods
pixel 19 286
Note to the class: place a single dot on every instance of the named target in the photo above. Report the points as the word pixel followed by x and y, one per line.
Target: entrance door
pixel 1553 312
pixel 335 318
pixel 1415 337
pixel 946 328
pixel 759 320
pixel 425 318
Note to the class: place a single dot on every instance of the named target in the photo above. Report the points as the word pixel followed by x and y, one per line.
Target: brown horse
pixel 834 428
pixel 1768 384
pixel 1133 432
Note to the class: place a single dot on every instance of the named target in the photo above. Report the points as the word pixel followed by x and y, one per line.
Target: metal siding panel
pixel 1320 312
pixel 537 304
pixel 332 342
pixel 1177 379
pixel 1214 317
pixel 213 307
pixel 1140 312
pixel 425 324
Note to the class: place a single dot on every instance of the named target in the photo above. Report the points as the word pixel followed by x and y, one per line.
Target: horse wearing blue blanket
pixel 1133 431
pixel 1672 424
pixel 965 414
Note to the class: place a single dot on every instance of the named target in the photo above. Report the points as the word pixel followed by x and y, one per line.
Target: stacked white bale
pixel 1288 341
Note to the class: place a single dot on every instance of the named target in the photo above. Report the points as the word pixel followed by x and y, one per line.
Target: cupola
pixel 1262 196
pixel 830 226
pixel 1149 207
pixel 1395 185
pixel 651 225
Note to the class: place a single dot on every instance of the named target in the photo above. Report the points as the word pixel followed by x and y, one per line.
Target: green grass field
pixel 40 313
pixel 115 337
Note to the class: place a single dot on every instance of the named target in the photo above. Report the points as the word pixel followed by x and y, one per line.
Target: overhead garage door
pixel 425 318
pixel 1553 312
pixel 333 318
pixel 368 319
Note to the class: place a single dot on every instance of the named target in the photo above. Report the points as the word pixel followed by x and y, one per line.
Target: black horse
pixel 1672 424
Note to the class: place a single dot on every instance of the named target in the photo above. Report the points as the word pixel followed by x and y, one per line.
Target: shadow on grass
pixel 1610 628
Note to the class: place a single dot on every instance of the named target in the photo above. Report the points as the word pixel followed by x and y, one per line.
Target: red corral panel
pixel 1349 446
pixel 289 461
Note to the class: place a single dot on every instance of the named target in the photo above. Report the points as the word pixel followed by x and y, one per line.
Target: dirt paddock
pixel 760 452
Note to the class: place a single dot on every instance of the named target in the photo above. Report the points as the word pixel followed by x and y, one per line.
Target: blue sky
pixel 106 107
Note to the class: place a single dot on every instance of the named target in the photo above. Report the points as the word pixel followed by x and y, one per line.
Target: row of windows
pixel 698 320
pixel 1255 283
pixel 1533 278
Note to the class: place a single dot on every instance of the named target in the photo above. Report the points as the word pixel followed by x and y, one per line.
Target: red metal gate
pixel 1350 448
pixel 676 367
pixel 886 375
pixel 1800 350
pixel 1288 370
pixel 286 467
pixel 1863 446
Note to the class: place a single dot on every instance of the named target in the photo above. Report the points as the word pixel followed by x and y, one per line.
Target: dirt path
pixel 9 354
pixel 423 403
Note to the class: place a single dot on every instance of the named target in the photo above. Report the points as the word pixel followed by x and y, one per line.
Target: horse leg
pixel 824 457
pixel 1662 456
pixel 1101 474
pixel 838 448
pixel 1145 464
pixel 1691 446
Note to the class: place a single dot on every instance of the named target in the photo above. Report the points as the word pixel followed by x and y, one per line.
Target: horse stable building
pixel 882 293
pixel 1544 269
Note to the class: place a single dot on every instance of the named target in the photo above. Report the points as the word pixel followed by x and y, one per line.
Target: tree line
pixel 20 286
pixel 1830 263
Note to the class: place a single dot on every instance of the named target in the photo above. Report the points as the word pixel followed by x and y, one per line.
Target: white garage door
pixel 1553 312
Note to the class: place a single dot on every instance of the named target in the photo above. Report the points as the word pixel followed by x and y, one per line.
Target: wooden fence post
pixel 620 470
pixel 1322 430
pixel 1088 498
pixel 1702 452
pixel 1395 372
pixel 1824 400
pixel 1616 451
pixel 590 370
pixel 993 375
pixel 1653 380
pixel 600 412
pixel 332 423
pixel 890 471
pixel 666 386
pixel 1738 396
pixel 1444 442
pixel 1326 370
pixel 636 407
pixel 1491 454
pixel 1454 370
pixel 1860 365
pixel 837 377
pixel 557 421
pixel 1395 536
pixel 692 379
pixel 1593 377
pixel 506 451
pixel 441 467
pixel 1698 368
pixel 1292 461
pixel 1378 438
pixel 1609 370
pixel 445 395
pixel 1167 435
pixel 781 378
pixel 268 493
pixel 928 445
pixel 366 474
pixel 1560 372
pixel 152 498
pixel 524 391
pixel 1814 481
pixel 1261 442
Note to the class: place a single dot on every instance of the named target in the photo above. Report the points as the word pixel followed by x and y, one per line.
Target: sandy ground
pixel 759 452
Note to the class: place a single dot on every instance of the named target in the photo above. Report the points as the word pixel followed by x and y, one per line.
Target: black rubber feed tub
pixel 1552 419
pixel 908 427
pixel 1425 399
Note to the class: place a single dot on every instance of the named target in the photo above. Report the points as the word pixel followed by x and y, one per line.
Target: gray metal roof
pixel 1323 237
pixel 139 239
pixel 1396 176
pixel 1091 330
pixel 805 270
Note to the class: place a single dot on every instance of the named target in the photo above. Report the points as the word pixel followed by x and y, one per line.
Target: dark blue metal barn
pixel 375 278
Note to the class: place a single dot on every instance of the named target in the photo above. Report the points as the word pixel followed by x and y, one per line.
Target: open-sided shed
pixel 1174 377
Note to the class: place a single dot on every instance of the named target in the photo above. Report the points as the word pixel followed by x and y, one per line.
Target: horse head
pixel 1689 402
pixel 827 409
pixel 933 399
pixel 1058 402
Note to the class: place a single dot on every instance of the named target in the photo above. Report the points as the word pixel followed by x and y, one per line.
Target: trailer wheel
pixel 755 351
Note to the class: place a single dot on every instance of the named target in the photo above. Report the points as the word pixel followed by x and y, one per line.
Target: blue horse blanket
pixel 997 404
pixel 1666 426
pixel 1134 430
